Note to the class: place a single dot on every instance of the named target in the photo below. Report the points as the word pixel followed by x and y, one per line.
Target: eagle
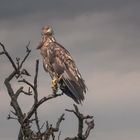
pixel 58 62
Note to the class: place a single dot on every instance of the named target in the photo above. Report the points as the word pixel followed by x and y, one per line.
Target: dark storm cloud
pixel 59 8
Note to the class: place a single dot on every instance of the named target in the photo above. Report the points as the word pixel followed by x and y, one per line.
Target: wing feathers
pixel 73 87
pixel 61 63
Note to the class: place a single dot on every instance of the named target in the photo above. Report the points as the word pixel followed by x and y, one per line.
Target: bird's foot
pixel 55 85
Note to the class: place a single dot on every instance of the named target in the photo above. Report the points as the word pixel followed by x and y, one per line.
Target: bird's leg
pixel 55 82
pixel 54 85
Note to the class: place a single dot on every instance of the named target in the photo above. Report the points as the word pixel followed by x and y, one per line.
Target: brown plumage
pixel 59 63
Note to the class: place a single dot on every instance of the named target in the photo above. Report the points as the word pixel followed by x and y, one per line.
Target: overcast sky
pixel 103 37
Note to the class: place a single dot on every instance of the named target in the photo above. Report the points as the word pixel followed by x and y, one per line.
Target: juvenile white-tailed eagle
pixel 58 62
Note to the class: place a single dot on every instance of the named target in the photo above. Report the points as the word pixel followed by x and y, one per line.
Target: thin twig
pixel 26 82
pixel 10 117
pixel 26 56
pixel 1 53
pixel 56 129
pixel 18 92
pixel 8 56
pixel 59 135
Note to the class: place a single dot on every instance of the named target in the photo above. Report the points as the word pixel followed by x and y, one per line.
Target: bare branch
pixel 27 119
pixel 44 99
pixel 17 62
pixel 14 102
pixel 81 118
pixel 10 117
pixel 8 56
pixel 42 126
pixel 3 47
pixel 13 112
pixel 18 92
pixel 1 53
pixel 41 101
pixel 90 125
pixel 25 72
pixel 56 129
pixel 50 130
pixel 29 93
pixel 36 74
pixel 59 135
pixel 36 95
pixel 26 82
pixel 28 51
pixel 37 122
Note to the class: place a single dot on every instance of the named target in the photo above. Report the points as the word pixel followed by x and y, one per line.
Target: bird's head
pixel 47 30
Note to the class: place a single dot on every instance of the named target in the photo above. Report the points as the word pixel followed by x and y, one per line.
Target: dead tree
pixel 26 119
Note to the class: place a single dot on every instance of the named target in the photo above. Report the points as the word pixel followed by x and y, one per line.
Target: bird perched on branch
pixel 58 62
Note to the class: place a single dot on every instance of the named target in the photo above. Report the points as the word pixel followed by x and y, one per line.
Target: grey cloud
pixel 103 37
pixel 59 8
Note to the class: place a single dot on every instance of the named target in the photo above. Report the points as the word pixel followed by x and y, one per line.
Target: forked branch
pixel 26 119
pixel 88 120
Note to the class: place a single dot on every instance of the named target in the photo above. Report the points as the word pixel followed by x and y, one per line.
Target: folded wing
pixel 60 62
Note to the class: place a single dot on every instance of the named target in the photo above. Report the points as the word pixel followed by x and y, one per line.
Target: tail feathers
pixel 71 89
pixel 69 94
